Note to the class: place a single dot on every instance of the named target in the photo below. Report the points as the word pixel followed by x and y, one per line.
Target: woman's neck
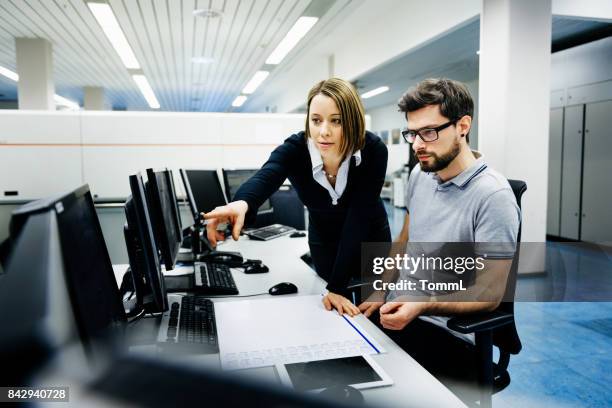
pixel 331 164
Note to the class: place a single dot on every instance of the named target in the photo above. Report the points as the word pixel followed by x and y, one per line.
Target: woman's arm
pixel 270 177
pixel 365 195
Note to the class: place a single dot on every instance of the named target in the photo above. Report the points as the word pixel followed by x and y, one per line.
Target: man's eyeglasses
pixel 426 134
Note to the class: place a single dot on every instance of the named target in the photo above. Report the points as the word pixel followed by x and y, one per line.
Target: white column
pixel 93 98
pixel 514 99
pixel 35 88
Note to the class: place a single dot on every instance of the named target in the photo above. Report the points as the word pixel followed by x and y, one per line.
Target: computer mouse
pixel 297 234
pixel 344 393
pixel 256 268
pixel 283 288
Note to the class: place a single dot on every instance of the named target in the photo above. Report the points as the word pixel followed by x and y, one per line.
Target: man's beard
pixel 438 163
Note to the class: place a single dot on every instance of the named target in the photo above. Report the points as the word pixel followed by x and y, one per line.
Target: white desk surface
pixel 413 385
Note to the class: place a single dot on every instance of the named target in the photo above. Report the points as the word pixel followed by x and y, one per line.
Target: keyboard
pixel 189 324
pixel 270 232
pixel 214 279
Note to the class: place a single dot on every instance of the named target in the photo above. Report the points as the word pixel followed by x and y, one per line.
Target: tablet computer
pixel 359 372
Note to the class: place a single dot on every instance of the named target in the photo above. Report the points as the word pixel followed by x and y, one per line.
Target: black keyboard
pixel 191 323
pixel 214 279
pixel 270 232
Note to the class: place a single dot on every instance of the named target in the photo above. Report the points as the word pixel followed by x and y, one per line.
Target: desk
pixel 414 386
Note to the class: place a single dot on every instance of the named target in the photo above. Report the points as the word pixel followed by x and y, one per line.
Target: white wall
pixel 43 153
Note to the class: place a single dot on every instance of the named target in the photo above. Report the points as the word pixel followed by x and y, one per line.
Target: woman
pixel 337 169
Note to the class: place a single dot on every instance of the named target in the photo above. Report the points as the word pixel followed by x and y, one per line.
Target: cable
pixel 137 317
pixel 234 296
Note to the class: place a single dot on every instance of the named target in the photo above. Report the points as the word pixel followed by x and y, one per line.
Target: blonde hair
pixel 352 113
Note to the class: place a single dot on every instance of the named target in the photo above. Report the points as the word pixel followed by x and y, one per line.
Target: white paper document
pixel 263 332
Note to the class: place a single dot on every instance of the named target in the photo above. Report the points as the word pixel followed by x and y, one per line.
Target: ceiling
pixel 452 55
pixel 165 36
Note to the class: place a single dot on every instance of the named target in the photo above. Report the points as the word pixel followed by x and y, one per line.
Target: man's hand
pixel 233 213
pixel 340 303
pixel 367 308
pixel 397 315
pixel 372 303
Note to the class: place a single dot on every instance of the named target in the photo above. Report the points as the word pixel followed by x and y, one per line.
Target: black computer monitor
pixel 142 251
pixel 206 189
pixel 235 178
pixel 162 210
pixel 34 281
pixel 189 194
pixel 174 199
pixel 88 273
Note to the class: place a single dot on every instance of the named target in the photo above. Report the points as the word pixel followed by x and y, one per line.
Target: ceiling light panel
pixel 9 74
pixel 375 92
pixel 239 101
pixel 254 83
pixel 147 91
pixel 109 24
pixel 294 35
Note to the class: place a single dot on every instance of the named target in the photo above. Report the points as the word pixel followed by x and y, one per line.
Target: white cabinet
pixel 571 183
pixel 554 172
pixel 596 223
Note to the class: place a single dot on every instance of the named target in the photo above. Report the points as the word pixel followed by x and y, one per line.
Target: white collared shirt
pixel 341 178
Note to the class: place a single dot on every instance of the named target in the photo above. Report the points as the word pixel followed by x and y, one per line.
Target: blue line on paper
pixel 361 334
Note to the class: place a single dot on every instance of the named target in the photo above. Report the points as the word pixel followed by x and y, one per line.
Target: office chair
pixel 496 328
pixel 288 208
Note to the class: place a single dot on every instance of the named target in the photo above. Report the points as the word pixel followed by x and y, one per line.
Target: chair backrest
pixel 288 208
pixel 518 188
pixel 506 338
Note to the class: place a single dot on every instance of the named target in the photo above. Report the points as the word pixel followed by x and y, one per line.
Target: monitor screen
pixel 189 194
pixel 206 189
pixel 91 282
pixel 173 198
pixel 142 250
pixel 162 211
pixel 235 178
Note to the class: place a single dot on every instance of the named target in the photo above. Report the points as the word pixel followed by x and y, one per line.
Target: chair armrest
pixel 479 322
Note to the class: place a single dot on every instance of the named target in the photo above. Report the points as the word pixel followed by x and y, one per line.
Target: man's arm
pixel 490 288
pixel 398 246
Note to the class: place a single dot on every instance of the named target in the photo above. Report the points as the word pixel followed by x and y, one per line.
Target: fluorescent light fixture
pixel 375 92
pixel 146 90
pixel 207 13
pixel 202 60
pixel 240 99
pixel 60 100
pixel 257 79
pixel 9 74
pixel 107 20
pixel 295 34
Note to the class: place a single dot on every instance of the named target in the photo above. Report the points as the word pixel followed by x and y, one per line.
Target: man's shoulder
pixel 488 182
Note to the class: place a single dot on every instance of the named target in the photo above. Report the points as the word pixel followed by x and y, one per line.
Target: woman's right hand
pixel 233 213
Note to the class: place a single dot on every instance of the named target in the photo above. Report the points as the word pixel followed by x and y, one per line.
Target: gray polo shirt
pixel 477 205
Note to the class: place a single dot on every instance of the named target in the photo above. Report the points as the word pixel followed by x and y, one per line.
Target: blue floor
pixel 566 360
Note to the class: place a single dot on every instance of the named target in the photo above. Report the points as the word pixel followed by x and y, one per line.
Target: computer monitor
pixel 235 178
pixel 162 211
pixel 33 329
pixel 190 200
pixel 88 273
pixel 174 199
pixel 142 251
pixel 206 189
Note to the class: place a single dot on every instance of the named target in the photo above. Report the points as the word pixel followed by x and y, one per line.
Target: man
pixel 452 196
